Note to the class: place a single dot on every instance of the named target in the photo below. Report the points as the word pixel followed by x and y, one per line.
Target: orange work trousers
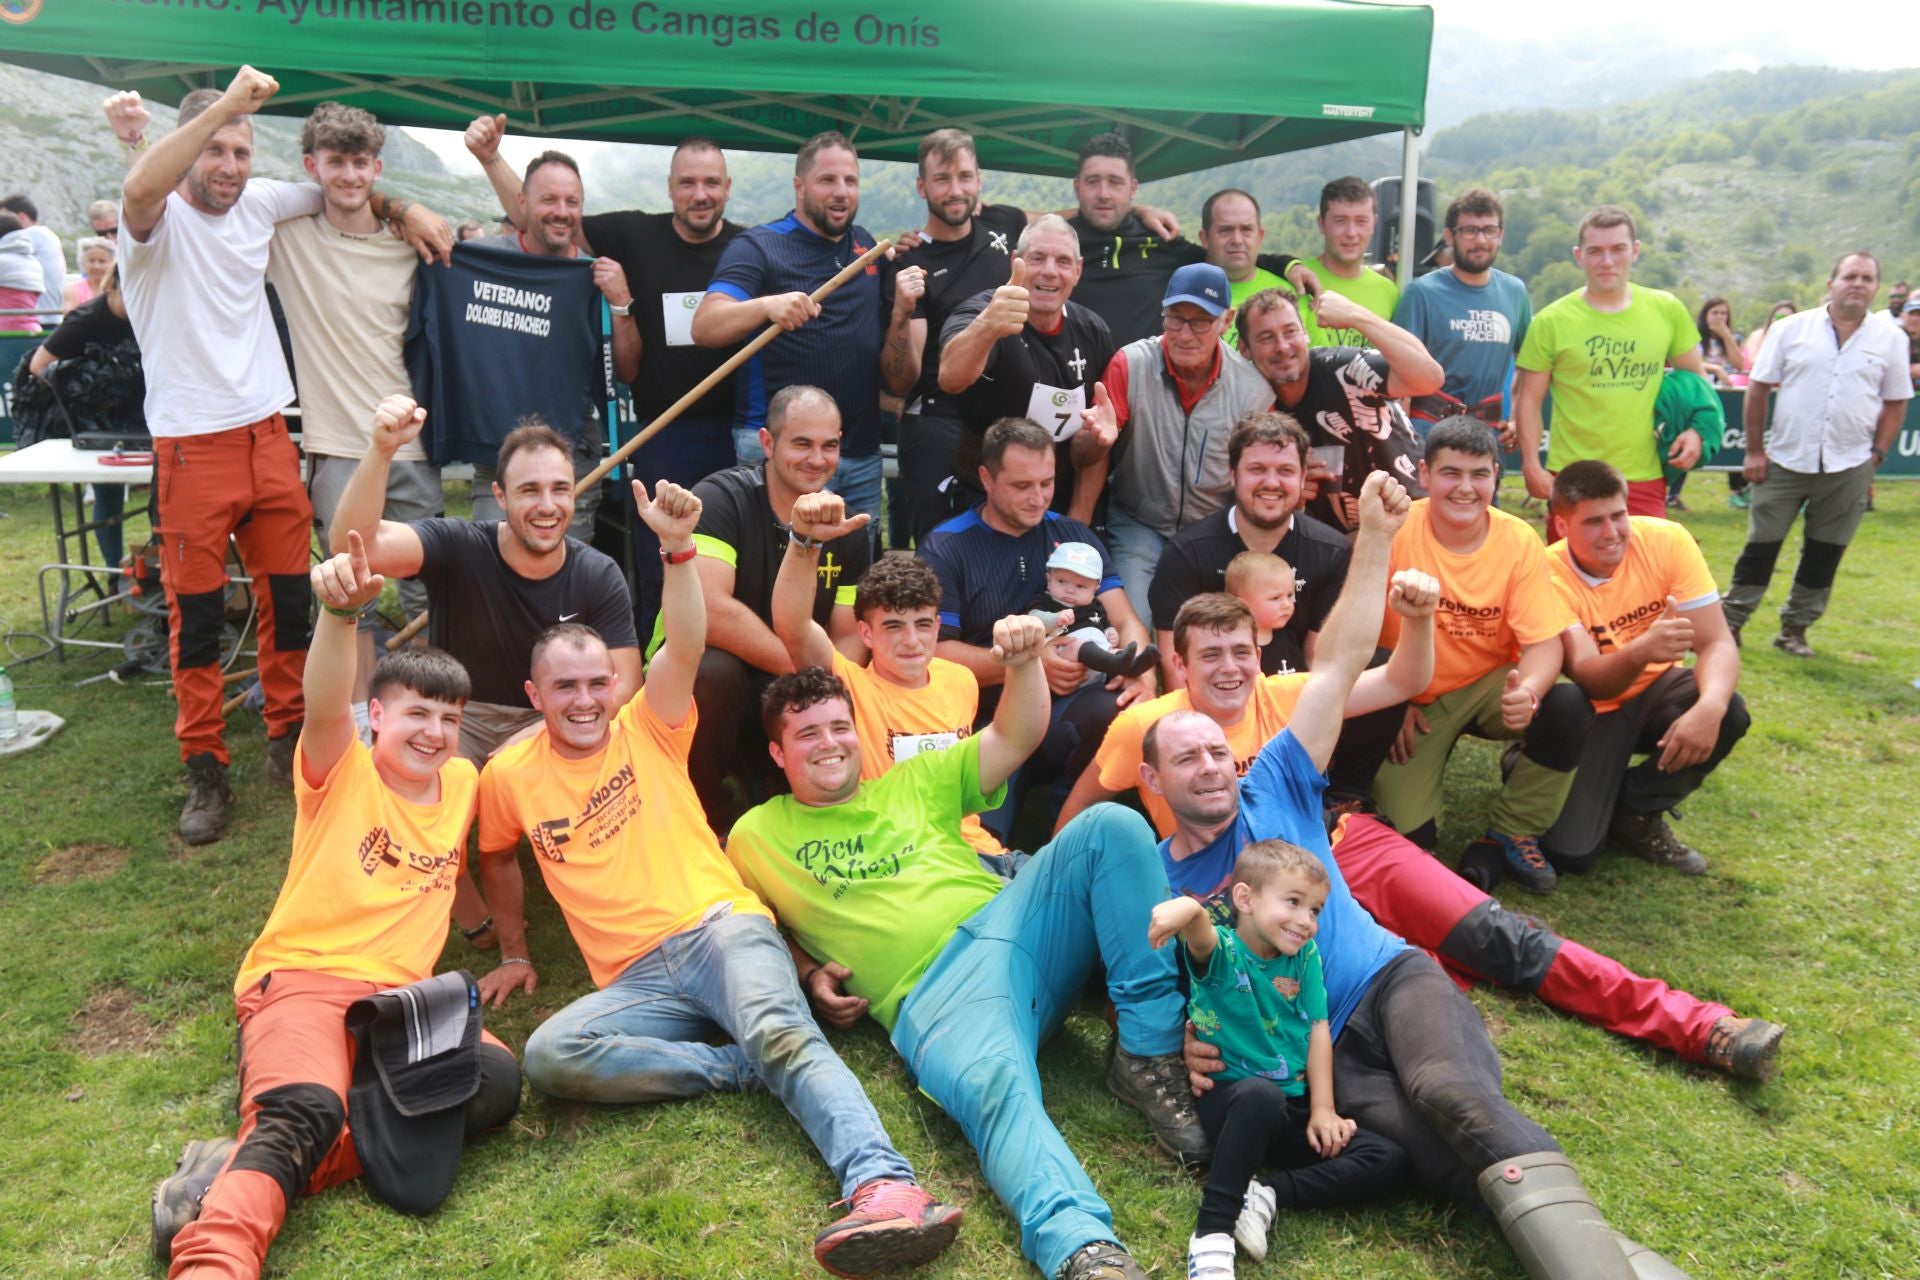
pixel 243 483
pixel 296 1064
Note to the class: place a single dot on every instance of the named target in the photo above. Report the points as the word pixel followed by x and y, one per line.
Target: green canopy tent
pixel 1194 83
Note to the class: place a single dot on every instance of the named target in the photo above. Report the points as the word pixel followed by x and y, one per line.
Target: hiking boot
pixel 1256 1216
pixel 1523 861
pixel 891 1226
pixel 1210 1257
pixel 1744 1047
pixel 280 758
pixel 176 1201
pixel 1101 1260
pixel 1793 640
pixel 1647 835
pixel 205 816
pixel 1157 1088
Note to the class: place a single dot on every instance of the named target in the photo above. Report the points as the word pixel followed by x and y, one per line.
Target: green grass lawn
pixel 118 947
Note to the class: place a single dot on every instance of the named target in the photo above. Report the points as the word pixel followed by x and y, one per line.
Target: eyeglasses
pixel 1477 233
pixel 110 233
pixel 1192 324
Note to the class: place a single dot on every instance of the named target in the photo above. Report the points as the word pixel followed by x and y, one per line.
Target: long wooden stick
pixel 684 403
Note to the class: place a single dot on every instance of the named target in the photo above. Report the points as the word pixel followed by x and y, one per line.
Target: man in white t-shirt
pixel 193 263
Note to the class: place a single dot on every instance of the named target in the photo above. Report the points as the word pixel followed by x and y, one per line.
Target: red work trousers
pixel 296 1064
pixel 244 482
pixel 1417 896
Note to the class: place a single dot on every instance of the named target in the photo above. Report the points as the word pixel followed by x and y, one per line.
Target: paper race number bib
pixel 1058 409
pixel 677 309
pixel 908 745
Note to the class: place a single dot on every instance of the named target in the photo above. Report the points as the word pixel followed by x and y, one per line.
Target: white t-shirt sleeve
pixel 282 200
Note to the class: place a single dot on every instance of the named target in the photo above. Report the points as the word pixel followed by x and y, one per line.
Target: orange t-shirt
pixel 1662 560
pixel 896 723
pixel 1268 710
pixel 370 885
pixel 621 839
pixel 1491 602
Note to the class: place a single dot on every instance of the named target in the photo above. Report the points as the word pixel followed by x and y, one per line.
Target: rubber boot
pixel 1095 656
pixel 1647 1264
pixel 1553 1225
pixel 1144 661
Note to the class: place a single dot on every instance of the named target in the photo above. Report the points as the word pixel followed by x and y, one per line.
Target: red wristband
pixel 678 557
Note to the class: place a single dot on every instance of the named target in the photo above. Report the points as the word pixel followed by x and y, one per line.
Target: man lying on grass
pixel 377 840
pixel 677 945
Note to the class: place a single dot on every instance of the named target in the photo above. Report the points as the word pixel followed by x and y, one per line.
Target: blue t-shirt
pixel 500 335
pixel 986 575
pixel 1474 331
pixel 837 351
pixel 1280 799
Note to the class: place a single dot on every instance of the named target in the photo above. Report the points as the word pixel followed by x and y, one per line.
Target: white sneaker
pixel 1256 1215
pixel 1210 1257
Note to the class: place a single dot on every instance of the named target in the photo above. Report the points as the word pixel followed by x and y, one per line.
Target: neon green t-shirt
pixel 880 882
pixel 1606 368
pixel 1370 289
pixel 1241 290
pixel 1258 1012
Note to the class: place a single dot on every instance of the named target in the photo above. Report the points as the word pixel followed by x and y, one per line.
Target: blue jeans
pixel 1136 554
pixel 858 481
pixel 970 1030
pixel 640 1039
pixel 746 447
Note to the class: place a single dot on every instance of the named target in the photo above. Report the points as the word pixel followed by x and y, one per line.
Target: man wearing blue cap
pixel 1179 395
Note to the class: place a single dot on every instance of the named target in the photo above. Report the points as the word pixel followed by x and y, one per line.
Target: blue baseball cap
pixel 1202 284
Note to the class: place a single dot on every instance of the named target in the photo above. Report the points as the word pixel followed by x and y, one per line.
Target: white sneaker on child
pixel 1210 1257
pixel 1256 1215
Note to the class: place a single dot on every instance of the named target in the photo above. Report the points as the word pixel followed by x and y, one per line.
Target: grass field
pixel 118 947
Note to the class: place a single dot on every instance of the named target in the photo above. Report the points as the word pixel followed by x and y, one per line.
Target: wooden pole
pixel 684 403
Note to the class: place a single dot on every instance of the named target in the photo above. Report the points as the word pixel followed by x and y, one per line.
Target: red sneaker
pixel 892 1226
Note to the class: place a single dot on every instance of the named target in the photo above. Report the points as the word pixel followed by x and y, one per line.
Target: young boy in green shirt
pixel 1258 993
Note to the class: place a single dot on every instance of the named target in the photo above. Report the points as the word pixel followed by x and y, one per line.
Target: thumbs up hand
pixel 1006 312
pixel 1517 704
pixel 1669 638
pixel 483 137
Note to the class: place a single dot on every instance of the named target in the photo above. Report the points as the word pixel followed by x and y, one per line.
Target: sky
pixel 1877 35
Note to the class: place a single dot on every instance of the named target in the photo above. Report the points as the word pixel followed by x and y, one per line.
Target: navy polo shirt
pixel 837 351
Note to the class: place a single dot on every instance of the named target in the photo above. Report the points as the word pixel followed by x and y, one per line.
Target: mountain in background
pixel 1746 183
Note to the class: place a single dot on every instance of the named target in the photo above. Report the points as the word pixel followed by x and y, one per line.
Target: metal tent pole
pixel 1409 205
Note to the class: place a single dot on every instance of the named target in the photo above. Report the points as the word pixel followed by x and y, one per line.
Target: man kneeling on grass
pixel 679 948
pixel 377 838
pixel 968 972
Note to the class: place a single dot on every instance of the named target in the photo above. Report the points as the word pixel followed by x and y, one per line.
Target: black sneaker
pixel 1744 1047
pixel 204 817
pixel 280 758
pixel 1647 835
pixel 176 1201
pixel 1525 863
pixel 1102 1260
pixel 1157 1088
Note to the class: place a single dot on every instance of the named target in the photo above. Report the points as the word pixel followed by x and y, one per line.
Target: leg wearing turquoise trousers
pixel 970 1030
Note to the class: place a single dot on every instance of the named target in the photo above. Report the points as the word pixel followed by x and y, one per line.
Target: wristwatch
pixel 624 309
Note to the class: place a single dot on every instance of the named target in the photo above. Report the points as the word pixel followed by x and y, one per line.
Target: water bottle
pixel 9 714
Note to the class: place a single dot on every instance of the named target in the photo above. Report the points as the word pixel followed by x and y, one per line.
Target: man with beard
pixel 1020 350
pixel 1345 397
pixel 1470 317
pixel 494 586
pixel 193 267
pixel 841 345
pixel 1130 251
pixel 667 258
pixel 745 527
pixel 546 222
pixel 1844 384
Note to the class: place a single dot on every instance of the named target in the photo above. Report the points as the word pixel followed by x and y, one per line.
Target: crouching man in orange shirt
pixel 377 840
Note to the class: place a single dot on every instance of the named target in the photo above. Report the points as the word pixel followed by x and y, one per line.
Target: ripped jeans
pixel 644 1038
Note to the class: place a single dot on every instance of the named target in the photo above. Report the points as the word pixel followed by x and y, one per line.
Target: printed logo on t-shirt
pixel 1483 326
pixel 1614 364
pixel 1470 621
pixel 1627 627
pixel 841 864
pixel 608 810
pixel 829 570
pixel 379 849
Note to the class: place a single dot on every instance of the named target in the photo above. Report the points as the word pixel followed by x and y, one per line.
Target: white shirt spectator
pixel 53 268
pixel 195 294
pixel 1830 395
